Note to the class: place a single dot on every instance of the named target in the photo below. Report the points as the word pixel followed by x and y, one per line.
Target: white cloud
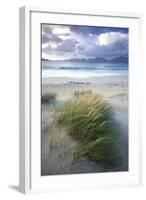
pixel 65 37
pixel 44 45
pixel 49 56
pixel 55 56
pixel 59 31
pixel 50 45
pixel 53 45
pixel 110 37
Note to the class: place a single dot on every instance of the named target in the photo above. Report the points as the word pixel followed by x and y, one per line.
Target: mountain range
pixel 94 60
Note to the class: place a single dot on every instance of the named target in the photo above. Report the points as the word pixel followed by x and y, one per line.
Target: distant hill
pixel 95 60
pixel 43 59
pixel 119 60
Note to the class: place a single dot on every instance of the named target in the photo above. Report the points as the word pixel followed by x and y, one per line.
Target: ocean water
pixel 82 69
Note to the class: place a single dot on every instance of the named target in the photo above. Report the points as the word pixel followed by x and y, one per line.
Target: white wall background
pixel 9 84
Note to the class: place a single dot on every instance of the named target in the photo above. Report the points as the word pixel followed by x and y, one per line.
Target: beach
pixel 57 145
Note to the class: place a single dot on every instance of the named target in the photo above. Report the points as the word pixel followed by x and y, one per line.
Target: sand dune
pixel 57 146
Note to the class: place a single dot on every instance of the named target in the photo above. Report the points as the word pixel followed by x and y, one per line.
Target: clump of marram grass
pixel 49 97
pixel 88 118
pixel 78 93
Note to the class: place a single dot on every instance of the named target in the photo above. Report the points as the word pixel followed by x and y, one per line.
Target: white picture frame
pixel 29 160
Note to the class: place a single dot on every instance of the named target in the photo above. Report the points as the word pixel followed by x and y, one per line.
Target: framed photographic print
pixel 79 100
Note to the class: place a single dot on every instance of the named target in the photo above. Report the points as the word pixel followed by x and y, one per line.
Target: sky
pixel 62 42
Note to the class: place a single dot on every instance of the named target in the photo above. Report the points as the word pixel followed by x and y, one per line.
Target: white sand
pixel 115 88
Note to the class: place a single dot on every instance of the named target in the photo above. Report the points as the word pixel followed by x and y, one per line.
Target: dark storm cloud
pixel 48 36
pixel 119 48
pixel 45 39
pixel 67 45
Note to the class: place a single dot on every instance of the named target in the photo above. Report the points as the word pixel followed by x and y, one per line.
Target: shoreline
pixel 49 80
pixel 114 89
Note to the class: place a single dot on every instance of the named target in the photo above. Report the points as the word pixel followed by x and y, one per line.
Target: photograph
pixel 84 99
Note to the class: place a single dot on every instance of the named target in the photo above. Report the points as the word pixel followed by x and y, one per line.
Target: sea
pixel 82 69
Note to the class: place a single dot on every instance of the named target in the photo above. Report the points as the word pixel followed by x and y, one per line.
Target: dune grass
pixel 82 92
pixel 49 97
pixel 88 119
